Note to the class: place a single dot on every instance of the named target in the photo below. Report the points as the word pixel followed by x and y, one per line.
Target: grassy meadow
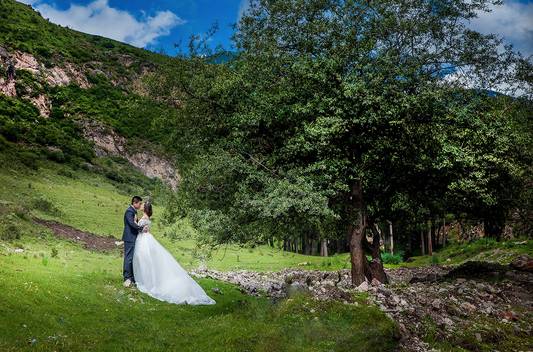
pixel 55 295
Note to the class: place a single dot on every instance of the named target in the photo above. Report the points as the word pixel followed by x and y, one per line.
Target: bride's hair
pixel 148 208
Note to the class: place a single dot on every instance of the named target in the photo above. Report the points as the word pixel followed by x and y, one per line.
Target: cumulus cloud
pixel 99 18
pixel 513 21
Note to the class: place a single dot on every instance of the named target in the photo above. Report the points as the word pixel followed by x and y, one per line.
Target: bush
pixel 45 206
pixel 29 159
pixel 4 144
pixel 66 173
pixel 435 260
pixel 9 232
pixel 388 258
pixel 55 155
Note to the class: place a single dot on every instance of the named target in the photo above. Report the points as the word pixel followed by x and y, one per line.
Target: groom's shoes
pixel 127 283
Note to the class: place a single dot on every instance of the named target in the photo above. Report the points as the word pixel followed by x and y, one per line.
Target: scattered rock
pixel 42 103
pixel 451 304
pixel 376 282
pixel 436 304
pixel 7 87
pixel 509 316
pixel 523 263
pixel 363 287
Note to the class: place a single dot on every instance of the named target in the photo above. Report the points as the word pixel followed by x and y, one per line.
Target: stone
pixel 468 307
pixel 478 336
pixel 296 288
pixel 3 53
pixel 523 263
pixel 376 282
pixel 436 304
pixel 8 88
pixel 363 287
pixel 509 316
pixel 42 103
pixel 448 321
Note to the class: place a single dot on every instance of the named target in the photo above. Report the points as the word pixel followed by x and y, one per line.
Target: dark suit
pixel 131 230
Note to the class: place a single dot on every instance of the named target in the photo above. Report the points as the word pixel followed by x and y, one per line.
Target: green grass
pixel 55 295
pixel 74 301
pixel 485 249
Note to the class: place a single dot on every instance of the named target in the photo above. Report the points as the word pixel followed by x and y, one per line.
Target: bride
pixel 158 274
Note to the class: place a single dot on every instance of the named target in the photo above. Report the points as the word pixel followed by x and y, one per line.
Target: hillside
pixel 70 85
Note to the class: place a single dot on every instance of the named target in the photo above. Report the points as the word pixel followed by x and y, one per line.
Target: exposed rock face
pixel 42 103
pixel 62 76
pixel 7 87
pixel 55 76
pixel 108 142
pixel 25 61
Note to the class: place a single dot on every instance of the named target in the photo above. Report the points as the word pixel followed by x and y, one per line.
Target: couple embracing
pixel 150 267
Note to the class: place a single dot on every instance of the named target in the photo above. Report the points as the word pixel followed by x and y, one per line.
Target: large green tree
pixel 335 115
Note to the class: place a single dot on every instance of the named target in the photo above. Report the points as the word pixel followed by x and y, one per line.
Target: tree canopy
pixel 335 115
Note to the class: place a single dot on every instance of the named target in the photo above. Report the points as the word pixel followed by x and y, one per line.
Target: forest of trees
pixel 338 123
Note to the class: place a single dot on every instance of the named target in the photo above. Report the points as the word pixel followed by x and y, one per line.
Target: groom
pixel 131 230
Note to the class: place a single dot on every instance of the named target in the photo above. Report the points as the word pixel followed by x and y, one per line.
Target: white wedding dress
pixel 159 275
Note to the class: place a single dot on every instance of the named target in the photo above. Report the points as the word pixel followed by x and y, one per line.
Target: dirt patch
pixel 89 240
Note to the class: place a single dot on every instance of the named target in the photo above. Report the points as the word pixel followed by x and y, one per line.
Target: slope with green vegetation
pixel 44 280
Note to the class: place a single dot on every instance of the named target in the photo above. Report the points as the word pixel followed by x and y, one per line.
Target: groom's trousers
pixel 129 248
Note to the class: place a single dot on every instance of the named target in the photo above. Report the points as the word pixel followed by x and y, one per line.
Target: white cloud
pixel 243 7
pixel 99 18
pixel 513 21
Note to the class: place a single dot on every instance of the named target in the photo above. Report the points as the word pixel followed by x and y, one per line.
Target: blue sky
pixel 160 24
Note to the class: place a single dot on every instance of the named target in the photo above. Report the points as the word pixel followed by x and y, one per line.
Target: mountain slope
pixel 73 90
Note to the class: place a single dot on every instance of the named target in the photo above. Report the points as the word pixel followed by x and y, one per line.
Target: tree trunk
pixel 422 242
pixel 376 265
pixel 391 237
pixel 357 229
pixel 430 240
pixel 324 248
pixel 314 247
pixel 445 233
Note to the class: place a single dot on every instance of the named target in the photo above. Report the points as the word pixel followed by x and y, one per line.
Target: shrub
pixel 29 159
pixel 435 260
pixel 66 173
pixel 55 155
pixel 45 206
pixel 4 144
pixel 9 232
pixel 389 258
